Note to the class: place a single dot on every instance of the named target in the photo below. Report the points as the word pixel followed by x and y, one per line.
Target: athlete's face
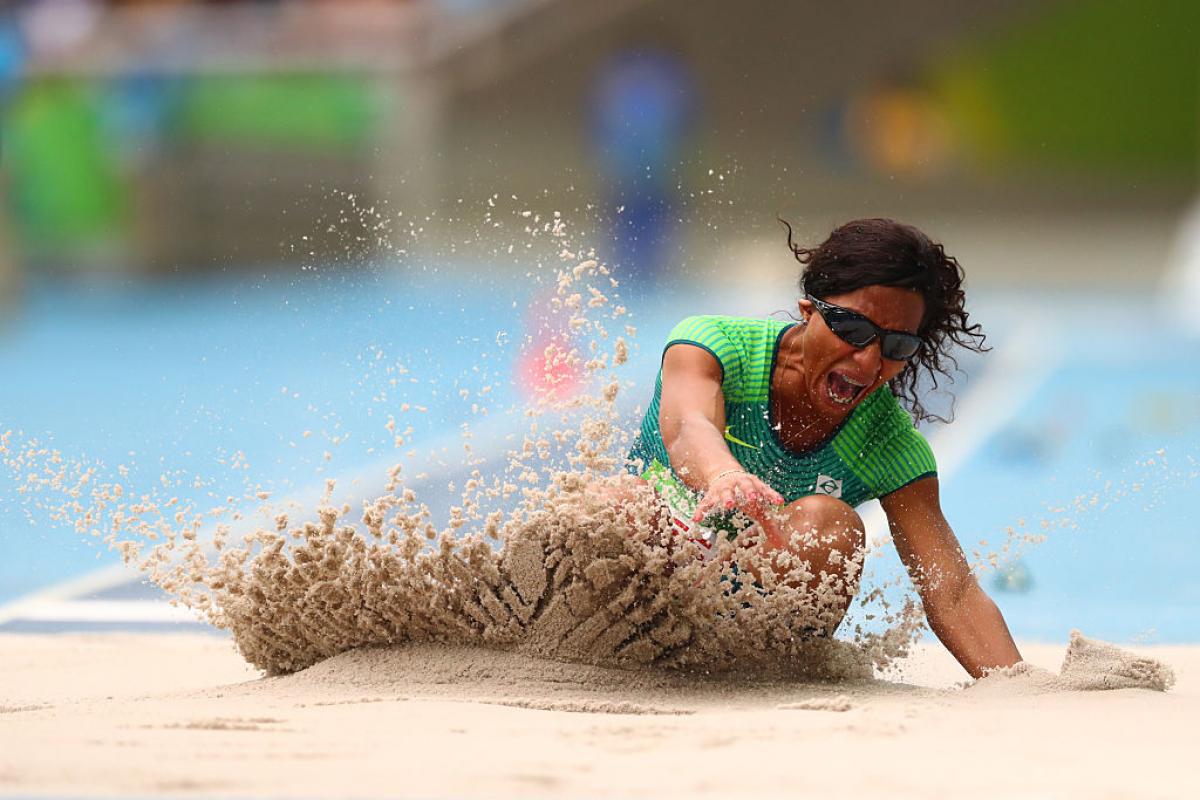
pixel 838 375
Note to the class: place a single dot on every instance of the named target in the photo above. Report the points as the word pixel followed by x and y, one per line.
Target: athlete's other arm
pixel 964 618
pixel 692 420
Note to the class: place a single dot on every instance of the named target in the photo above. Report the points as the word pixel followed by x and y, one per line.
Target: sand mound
pixel 1089 665
pixel 470 671
pixel 570 583
pixel 1092 664
pixel 474 674
pixel 839 703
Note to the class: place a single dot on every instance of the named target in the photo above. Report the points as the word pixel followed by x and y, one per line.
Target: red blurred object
pixel 546 369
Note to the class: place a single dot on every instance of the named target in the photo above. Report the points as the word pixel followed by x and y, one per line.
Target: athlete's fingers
pixel 742 491
pixel 760 492
pixel 706 505
pixel 726 498
pixel 737 490
pixel 754 487
pixel 717 495
pixel 771 495
pixel 751 496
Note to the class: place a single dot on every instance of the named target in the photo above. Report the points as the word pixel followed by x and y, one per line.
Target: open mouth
pixel 843 389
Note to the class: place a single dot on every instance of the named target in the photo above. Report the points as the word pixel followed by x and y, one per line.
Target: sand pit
pixel 126 715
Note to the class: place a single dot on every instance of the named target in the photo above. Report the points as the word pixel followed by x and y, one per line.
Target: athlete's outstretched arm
pixel 692 420
pixel 964 618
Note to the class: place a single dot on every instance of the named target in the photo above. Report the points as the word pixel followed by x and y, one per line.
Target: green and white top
pixel 876 450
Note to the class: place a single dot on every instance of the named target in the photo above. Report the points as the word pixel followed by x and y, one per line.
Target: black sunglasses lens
pixel 899 347
pixel 853 330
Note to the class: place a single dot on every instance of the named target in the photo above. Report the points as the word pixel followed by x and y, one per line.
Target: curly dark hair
pixel 883 252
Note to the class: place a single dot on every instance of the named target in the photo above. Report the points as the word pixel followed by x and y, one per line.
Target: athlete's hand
pixel 740 490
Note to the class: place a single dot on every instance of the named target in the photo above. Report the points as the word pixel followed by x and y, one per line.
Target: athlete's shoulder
pixel 880 420
pixel 724 322
pixel 702 327
pixel 735 342
pixel 887 448
pixel 881 406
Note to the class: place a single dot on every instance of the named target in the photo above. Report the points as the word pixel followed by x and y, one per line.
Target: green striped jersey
pixel 876 449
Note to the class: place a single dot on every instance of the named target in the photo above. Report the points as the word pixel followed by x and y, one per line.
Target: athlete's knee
pixel 828 523
pixel 829 536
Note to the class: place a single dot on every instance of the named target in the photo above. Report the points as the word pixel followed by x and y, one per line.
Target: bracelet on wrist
pixel 720 475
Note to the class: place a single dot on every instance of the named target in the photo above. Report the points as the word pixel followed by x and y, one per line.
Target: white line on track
pixel 32 606
pixel 114 611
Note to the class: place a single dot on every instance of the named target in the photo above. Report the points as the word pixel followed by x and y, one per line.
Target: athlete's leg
pixel 822 532
pixel 825 534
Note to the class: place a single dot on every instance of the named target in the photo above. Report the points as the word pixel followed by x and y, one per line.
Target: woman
pixel 794 424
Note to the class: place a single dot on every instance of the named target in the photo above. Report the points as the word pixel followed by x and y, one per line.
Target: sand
pixel 133 715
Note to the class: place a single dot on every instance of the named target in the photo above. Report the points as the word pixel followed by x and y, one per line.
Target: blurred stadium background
pixel 206 203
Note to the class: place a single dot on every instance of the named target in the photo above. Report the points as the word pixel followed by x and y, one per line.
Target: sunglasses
pixel 855 329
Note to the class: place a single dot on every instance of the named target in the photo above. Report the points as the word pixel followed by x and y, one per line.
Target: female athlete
pixel 796 423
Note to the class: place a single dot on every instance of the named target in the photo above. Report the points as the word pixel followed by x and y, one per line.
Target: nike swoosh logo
pixel 736 440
